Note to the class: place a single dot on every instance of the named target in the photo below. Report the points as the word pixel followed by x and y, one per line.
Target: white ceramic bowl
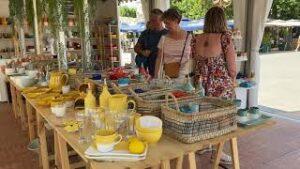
pixel 254 116
pixel 59 111
pixel 31 73
pixel 242 119
pixel 24 81
pixel 9 71
pixel 21 70
pixel 150 122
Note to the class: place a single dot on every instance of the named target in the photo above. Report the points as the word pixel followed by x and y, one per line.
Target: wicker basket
pixel 215 118
pixel 149 103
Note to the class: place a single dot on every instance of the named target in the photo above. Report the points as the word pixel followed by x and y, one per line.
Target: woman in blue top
pixel 146 47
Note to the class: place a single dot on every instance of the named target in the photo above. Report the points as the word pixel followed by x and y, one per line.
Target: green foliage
pixel 128 12
pixel 196 9
pixel 285 9
pixel 29 12
pixel 40 5
pixel 79 13
pixel 16 10
pixel 57 18
pixel 267 38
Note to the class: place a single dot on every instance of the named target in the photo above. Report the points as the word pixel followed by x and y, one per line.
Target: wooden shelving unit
pixel 7 48
pixel 109 44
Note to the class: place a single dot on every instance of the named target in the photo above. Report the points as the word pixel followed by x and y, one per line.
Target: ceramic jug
pixel 119 103
pixel 57 80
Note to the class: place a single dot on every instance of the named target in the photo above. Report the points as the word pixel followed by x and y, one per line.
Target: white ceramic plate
pixel 92 152
pixel 115 158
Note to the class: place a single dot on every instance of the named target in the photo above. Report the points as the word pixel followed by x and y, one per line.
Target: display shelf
pixel 6 53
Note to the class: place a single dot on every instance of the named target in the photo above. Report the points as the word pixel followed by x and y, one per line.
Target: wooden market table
pixel 159 155
pixel 18 103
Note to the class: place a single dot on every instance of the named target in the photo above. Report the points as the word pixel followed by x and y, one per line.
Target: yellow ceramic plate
pixel 29 89
pixel 44 102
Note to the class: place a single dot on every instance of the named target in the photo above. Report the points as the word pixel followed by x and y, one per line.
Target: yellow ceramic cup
pixel 119 103
pixel 106 137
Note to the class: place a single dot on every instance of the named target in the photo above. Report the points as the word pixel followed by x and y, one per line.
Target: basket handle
pixel 174 98
pixel 136 96
pixel 116 87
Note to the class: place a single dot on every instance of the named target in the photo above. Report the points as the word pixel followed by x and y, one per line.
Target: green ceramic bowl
pixel 242 112
pixel 254 110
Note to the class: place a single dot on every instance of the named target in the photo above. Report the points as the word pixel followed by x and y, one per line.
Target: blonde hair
pixel 215 21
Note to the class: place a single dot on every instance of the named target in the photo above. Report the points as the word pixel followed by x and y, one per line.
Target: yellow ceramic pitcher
pixel 57 80
pixel 119 103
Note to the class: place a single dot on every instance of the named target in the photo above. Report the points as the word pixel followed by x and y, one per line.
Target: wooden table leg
pixel 43 141
pixel 21 109
pixel 218 155
pixel 30 120
pixel 192 160
pixel 234 153
pixel 165 164
pixel 13 100
pixel 179 162
pixel 56 151
pixel 63 151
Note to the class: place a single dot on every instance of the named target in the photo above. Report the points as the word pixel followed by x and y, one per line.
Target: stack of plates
pixel 115 155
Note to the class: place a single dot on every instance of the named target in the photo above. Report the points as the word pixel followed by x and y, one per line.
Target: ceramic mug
pixel 119 103
pixel 254 113
pixel 107 147
pixel 105 140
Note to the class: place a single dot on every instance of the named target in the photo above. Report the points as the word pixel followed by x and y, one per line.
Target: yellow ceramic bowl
pixel 105 137
pixel 148 124
pixel 149 137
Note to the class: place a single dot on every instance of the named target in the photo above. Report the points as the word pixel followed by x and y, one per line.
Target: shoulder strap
pixel 186 38
pixel 161 67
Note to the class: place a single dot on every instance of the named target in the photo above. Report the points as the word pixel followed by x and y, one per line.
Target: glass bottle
pixel 104 96
pixel 90 99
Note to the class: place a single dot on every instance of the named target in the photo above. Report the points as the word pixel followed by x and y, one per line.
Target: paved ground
pixel 274 148
pixel 280 81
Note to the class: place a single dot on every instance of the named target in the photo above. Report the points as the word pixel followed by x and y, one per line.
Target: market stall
pixel 156 154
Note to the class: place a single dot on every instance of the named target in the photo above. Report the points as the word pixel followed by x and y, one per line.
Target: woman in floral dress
pixel 214 54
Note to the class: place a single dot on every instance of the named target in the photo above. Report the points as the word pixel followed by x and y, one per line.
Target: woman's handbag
pixel 172 69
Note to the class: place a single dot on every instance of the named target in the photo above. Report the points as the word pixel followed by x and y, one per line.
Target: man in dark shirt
pixel 146 47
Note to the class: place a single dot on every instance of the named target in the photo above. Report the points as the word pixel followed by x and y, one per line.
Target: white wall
pixel 106 9
pixel 4 11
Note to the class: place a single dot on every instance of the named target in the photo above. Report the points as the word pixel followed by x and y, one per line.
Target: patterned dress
pixel 214 72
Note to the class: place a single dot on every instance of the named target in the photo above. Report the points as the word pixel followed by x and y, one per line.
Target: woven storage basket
pixel 149 103
pixel 215 118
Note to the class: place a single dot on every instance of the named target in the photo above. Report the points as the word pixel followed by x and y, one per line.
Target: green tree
pixel 285 9
pixel 126 11
pixel 196 9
